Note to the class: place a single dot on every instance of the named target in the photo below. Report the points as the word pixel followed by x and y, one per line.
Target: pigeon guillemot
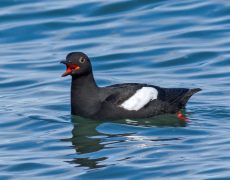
pixel 119 101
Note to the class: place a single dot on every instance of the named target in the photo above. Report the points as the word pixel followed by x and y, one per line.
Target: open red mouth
pixel 69 69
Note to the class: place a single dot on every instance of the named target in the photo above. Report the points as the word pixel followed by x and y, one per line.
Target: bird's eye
pixel 82 60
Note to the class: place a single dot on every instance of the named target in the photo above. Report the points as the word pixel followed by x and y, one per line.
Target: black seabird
pixel 119 101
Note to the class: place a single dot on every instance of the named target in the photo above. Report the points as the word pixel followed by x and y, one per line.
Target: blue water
pixel 168 43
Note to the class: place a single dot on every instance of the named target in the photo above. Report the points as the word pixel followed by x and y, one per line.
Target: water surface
pixel 166 43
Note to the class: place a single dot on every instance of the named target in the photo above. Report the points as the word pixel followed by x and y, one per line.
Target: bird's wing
pixel 136 97
pixel 131 96
pixel 176 96
pixel 118 93
pixel 172 95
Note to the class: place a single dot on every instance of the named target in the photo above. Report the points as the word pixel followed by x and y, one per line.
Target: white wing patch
pixel 142 97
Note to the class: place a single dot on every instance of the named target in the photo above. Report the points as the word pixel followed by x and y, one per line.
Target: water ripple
pixel 166 43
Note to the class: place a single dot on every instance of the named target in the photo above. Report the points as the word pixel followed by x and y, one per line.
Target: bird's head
pixel 77 64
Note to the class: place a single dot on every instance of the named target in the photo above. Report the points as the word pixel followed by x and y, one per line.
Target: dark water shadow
pixel 87 139
pixel 158 121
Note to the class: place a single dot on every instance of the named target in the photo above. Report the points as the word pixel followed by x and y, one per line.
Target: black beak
pixel 63 62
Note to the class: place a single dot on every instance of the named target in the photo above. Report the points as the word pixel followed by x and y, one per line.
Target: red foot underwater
pixel 182 117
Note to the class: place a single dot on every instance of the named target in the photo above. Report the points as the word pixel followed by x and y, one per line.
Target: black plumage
pixel 90 101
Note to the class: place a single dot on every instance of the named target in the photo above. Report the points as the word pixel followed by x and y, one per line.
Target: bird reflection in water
pixel 88 141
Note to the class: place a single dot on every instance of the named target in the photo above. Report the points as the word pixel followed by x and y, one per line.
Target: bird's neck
pixel 83 88
pixel 84 82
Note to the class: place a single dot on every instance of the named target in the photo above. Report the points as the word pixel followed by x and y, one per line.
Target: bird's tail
pixel 187 96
